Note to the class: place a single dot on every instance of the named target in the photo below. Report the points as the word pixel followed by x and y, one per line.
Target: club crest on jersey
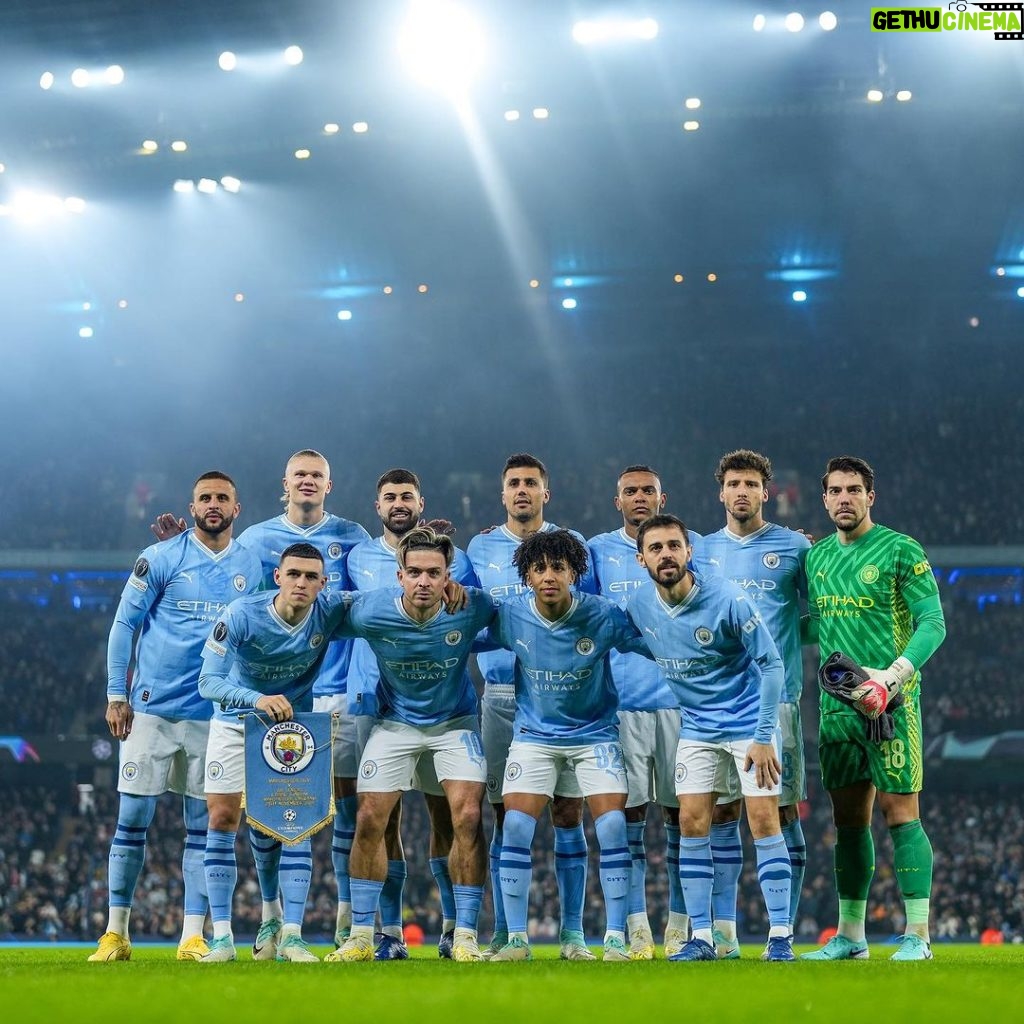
pixel 869 574
pixel 681 772
pixel 453 637
pixel 289 815
pixel 129 771
pixel 214 770
pixel 334 551
pixel 513 770
pixel 368 769
pixel 703 636
pixel 316 640
pixel 584 646
pixel 239 583
pixel 288 747
pixel 220 632
pixel 770 560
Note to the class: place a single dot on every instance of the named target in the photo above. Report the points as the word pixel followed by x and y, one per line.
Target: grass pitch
pixel 970 984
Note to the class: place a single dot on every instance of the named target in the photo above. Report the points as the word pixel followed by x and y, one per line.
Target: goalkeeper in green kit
pixel 873 598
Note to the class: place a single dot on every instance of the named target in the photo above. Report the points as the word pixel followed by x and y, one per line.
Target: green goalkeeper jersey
pixel 860 595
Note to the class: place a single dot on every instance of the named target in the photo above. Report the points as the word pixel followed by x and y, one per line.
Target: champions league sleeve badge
pixel 289 788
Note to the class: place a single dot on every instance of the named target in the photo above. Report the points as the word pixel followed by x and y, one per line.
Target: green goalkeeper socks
pixel 912 860
pixel 854 862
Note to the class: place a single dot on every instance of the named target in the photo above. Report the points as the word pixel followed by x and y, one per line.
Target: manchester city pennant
pixel 289 785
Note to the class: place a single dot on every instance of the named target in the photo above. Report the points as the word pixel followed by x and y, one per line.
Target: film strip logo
pixel 1018 7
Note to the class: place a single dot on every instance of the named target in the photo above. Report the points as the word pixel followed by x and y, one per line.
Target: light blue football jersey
pixel 372 565
pixel 252 651
pixel 768 566
pixel 422 665
pixel 563 685
pixel 334 538
pixel 176 591
pixel 617 573
pixel 491 557
pixel 719 657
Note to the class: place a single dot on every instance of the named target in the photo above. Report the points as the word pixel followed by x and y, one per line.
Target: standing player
pixel 176 590
pixel 428 709
pixel 264 654
pixel 372 565
pixel 524 493
pixel 307 482
pixel 872 596
pixel 710 642
pixel 565 718
pixel 767 563
pixel 648 715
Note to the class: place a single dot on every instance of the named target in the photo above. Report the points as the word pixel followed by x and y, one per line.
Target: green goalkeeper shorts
pixel 847 757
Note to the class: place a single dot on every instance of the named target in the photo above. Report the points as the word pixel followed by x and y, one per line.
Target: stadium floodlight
pixel 122 303
pixel 184 185
pixel 794 21
pixel 230 184
pixel 569 303
pixel 827 21
pixel 442 45
pixel 875 95
pixel 179 145
pixel 511 115
pixel 344 314
pixel 80 78
pixel 332 128
pixel 759 22
pixel 693 103
pixel 150 145
pixel 302 154
pixel 1020 292
pixel 294 56
pixel 541 113
pixel 691 126
pixel 114 75
pixel 904 95
pixel 207 186
pixel 3 167
pixel 613 30
pixel 360 127
pixel 32 207
pixel 46 80
pixel 799 295
pixel 227 61
pixel 85 332
pixel 86 306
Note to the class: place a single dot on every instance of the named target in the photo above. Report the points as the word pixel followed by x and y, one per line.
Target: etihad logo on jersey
pixel 508 590
pixel 555 679
pixel 676 668
pixel 422 670
pixel 762 585
pixel 203 608
pixel 624 586
pixel 843 602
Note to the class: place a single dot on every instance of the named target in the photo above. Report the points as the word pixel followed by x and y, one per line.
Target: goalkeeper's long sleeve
pixel 929 630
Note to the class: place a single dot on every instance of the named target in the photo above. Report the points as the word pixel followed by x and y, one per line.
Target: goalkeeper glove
pixel 883 689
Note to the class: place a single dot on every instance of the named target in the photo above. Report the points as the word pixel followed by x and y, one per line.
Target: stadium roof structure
pixel 561 162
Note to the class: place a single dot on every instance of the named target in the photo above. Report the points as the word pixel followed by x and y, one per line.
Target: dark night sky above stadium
pixel 894 217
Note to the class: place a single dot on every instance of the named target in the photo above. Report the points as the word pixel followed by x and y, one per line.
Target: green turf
pixel 972 984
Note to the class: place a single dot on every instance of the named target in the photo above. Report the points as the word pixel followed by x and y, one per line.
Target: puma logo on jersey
pixel 617 559
pixel 496 568
pixel 820 574
pixel 653 632
pixel 389 640
pixel 187 575
pixel 525 644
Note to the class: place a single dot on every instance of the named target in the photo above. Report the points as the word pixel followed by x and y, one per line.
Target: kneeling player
pixel 723 664
pixel 566 709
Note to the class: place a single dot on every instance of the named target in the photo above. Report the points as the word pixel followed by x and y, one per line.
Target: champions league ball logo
pixel 288 747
